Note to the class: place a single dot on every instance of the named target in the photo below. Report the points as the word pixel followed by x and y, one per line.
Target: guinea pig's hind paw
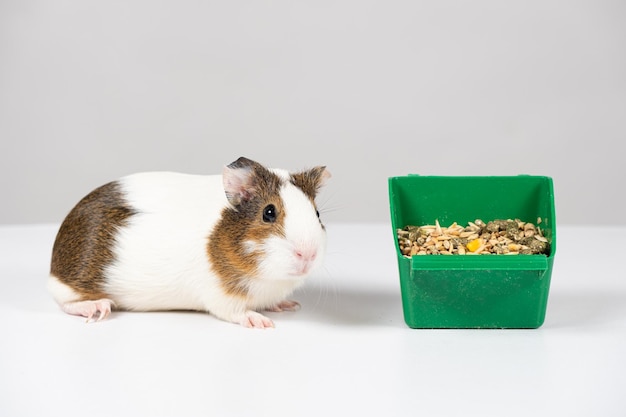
pixel 286 305
pixel 94 310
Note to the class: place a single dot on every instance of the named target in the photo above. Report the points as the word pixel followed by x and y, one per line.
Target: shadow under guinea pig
pixel 349 306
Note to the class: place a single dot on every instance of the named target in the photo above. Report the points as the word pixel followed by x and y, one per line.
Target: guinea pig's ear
pixel 312 180
pixel 238 181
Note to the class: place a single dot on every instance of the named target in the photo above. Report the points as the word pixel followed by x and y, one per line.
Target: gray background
pixel 92 90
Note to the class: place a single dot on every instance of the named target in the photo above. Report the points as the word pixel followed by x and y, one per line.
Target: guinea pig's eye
pixel 318 213
pixel 269 214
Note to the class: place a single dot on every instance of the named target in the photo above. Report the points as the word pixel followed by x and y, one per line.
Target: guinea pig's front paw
pixel 252 319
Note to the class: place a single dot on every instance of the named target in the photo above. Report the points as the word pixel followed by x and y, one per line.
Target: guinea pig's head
pixel 272 225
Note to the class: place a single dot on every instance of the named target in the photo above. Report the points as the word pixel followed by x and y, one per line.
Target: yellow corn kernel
pixel 474 245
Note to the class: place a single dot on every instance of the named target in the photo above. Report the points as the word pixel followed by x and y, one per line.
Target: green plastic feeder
pixel 473 291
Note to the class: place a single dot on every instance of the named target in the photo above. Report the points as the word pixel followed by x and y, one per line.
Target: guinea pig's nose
pixel 306 254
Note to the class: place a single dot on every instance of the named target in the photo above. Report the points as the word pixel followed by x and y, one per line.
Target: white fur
pixel 161 259
pixel 60 291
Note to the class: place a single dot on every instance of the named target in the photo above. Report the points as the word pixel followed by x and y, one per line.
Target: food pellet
pixel 502 237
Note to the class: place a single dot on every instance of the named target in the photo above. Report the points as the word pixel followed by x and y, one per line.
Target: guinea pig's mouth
pixel 301 269
pixel 300 272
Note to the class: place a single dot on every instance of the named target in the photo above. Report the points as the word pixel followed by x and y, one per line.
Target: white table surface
pixel 347 352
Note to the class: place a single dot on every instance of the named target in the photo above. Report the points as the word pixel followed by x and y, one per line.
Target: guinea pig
pixel 232 245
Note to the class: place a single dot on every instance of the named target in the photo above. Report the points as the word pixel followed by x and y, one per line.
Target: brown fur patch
pixel 309 181
pixel 84 244
pixel 227 251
